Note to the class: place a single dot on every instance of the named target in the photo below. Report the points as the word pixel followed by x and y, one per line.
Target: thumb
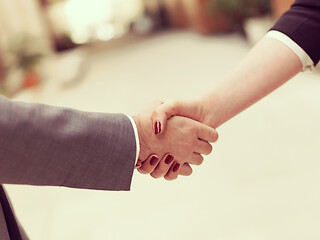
pixel 165 111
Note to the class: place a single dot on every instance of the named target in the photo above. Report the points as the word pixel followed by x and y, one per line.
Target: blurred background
pixel 260 182
pixel 36 32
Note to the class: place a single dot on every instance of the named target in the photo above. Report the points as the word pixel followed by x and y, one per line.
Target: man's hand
pixel 183 142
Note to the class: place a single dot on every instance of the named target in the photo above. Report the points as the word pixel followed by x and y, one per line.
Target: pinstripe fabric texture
pixel 51 146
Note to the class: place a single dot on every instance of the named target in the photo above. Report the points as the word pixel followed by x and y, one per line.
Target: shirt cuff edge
pixel 307 62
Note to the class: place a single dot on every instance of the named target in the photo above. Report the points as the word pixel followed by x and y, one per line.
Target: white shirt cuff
pixel 305 59
pixel 134 126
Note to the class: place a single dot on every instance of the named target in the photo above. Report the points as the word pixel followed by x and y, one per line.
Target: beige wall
pixel 21 16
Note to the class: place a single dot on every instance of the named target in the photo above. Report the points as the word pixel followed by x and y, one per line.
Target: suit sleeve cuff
pixel 134 126
pixel 305 59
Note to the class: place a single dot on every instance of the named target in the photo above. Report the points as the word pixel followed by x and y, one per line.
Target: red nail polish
pixel 153 160
pixel 176 167
pixel 169 159
pixel 157 127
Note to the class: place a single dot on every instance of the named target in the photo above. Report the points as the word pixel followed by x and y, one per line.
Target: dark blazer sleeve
pixel 44 145
pixel 302 24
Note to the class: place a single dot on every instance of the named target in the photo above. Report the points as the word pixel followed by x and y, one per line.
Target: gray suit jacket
pixel 51 146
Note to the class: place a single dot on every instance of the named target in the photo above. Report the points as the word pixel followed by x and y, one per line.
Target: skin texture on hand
pixel 183 142
pixel 265 68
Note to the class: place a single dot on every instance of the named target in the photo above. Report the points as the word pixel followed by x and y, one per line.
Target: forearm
pixel 266 67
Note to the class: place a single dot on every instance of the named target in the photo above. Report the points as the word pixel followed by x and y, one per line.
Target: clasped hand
pixel 169 149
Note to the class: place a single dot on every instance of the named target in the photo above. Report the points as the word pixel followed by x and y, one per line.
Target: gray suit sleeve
pixel 44 145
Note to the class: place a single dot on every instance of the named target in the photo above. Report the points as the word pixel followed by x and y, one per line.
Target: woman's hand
pixel 152 163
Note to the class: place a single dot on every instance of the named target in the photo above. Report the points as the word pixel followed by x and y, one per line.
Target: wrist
pixel 142 139
pixel 211 112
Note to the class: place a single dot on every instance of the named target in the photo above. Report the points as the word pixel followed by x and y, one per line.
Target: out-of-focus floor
pixel 261 182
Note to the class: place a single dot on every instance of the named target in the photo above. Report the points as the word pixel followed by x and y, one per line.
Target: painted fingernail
pixel 176 167
pixel 157 127
pixel 153 160
pixel 169 159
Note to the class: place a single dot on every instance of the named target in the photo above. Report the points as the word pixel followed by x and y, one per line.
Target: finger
pixel 149 164
pixel 163 166
pixel 196 159
pixel 185 170
pixel 173 172
pixel 203 147
pixel 165 111
pixel 138 164
pixel 207 133
pixel 159 119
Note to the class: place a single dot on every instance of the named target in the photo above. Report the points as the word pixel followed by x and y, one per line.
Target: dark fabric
pixel 22 232
pixel 302 24
pixel 3 225
pixel 51 146
pixel 12 226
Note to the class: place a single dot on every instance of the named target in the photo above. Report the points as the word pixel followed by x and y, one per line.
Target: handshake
pixel 172 137
pixel 178 132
